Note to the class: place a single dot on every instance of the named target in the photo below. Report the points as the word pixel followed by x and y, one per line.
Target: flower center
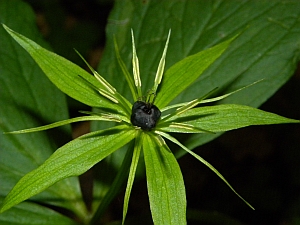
pixel 144 115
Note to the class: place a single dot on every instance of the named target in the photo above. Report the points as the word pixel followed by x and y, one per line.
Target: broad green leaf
pixel 28 213
pixel 267 48
pixel 72 159
pixel 164 181
pixel 29 99
pixel 67 76
pixel 226 117
pixel 181 75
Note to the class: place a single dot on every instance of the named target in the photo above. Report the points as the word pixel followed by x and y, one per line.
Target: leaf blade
pixel 28 213
pixel 267 48
pixel 28 98
pixel 164 181
pixel 71 159
pixel 181 75
pixel 65 74
pixel 227 117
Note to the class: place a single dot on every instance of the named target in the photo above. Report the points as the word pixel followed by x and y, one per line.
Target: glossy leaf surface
pixel 165 183
pixel 72 159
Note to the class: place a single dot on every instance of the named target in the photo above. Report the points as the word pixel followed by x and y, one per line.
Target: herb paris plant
pixel 140 122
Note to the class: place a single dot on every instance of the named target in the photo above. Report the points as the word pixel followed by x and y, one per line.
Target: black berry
pixel 144 115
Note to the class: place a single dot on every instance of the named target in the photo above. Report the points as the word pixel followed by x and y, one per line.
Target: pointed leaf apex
pixel 161 66
pixel 135 65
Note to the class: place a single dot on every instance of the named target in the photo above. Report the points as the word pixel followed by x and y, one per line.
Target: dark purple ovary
pixel 144 115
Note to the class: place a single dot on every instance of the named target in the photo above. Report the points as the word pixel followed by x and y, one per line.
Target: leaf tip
pixel 3 25
pixel 8 30
pixel 4 207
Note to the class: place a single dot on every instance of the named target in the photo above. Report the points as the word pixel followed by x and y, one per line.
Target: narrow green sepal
pixel 134 163
pixel 181 128
pixel 187 106
pixel 104 82
pixel 61 123
pixel 175 141
pixel 161 66
pixel 136 69
pixel 211 99
pixel 110 116
pixel 126 73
